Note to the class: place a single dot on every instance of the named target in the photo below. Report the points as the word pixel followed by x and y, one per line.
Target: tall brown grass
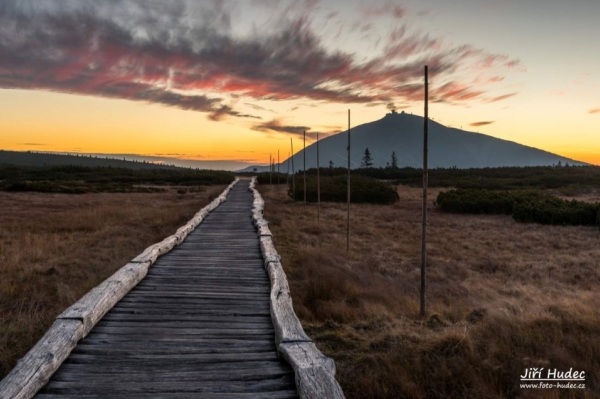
pixel 502 296
pixel 56 247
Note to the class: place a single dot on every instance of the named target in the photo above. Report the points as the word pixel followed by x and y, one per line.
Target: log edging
pixel 314 372
pixel 36 368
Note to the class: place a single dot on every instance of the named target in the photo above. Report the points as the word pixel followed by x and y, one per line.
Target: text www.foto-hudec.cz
pixel 552 378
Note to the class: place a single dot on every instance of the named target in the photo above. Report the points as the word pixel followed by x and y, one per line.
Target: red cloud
pixel 594 111
pixel 125 51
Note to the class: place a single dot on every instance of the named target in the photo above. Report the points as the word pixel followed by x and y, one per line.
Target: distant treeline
pixel 528 206
pixel 570 178
pixel 34 158
pixel 81 179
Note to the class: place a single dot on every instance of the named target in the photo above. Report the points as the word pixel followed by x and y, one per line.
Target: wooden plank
pixel 314 371
pixel 132 369
pixel 287 326
pixel 35 369
pixel 96 303
pixel 284 394
pixel 151 387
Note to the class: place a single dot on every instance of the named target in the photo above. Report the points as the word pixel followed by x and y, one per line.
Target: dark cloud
pixel 259 108
pixel 183 54
pixel 277 126
pixel 483 123
pixel 594 111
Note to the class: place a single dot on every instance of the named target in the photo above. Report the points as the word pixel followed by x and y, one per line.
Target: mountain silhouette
pixel 403 134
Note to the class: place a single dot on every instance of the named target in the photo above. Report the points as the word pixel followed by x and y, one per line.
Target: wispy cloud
pixel 277 126
pixel 34 144
pixel 500 98
pixel 184 54
pixel 482 123
pixel 594 111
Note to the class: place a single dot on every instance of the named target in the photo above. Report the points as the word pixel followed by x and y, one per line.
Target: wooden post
pixel 293 171
pixel 287 180
pixel 425 184
pixel 348 216
pixel 278 169
pixel 318 184
pixel 270 170
pixel 304 167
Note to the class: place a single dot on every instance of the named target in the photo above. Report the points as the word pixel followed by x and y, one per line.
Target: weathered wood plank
pixel 287 326
pixel 314 371
pixel 96 303
pixel 286 394
pixel 151 387
pixel 35 369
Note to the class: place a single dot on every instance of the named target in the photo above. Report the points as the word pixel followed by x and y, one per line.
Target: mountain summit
pixel 403 134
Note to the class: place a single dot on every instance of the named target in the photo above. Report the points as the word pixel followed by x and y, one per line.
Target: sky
pixel 226 83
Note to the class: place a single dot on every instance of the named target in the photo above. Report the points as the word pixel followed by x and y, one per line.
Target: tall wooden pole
pixel 293 171
pixel 425 184
pixel 270 170
pixel 287 181
pixel 318 183
pixel 278 168
pixel 304 167
pixel 348 216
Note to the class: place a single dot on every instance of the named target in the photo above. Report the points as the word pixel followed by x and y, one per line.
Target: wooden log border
pixel 36 368
pixel 314 372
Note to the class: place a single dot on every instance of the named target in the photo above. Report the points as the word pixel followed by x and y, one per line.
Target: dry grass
pixel 56 247
pixel 502 296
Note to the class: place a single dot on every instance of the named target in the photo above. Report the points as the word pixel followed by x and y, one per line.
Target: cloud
pixel 258 107
pixel 34 144
pixel 184 54
pixel 277 126
pixel 594 111
pixel 483 123
pixel 500 98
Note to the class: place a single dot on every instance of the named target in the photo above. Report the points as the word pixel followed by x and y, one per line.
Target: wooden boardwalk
pixel 198 326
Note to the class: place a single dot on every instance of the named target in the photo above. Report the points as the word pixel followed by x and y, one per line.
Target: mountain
pixel 403 133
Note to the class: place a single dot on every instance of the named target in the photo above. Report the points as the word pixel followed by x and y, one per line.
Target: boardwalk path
pixel 198 326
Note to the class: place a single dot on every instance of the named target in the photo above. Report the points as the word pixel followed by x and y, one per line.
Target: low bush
pixel 335 189
pixel 268 178
pixel 525 206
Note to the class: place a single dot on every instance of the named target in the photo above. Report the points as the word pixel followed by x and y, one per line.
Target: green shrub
pixel 484 201
pixel 264 178
pixel 335 189
pixel 525 206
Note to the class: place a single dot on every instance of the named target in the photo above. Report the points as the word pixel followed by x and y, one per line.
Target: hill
pixel 29 158
pixel 403 134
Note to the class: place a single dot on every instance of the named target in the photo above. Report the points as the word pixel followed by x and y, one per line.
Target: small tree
pixel 394 160
pixel 367 161
pixel 330 164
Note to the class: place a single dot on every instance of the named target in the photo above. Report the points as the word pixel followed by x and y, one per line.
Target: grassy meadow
pixel 56 247
pixel 502 296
